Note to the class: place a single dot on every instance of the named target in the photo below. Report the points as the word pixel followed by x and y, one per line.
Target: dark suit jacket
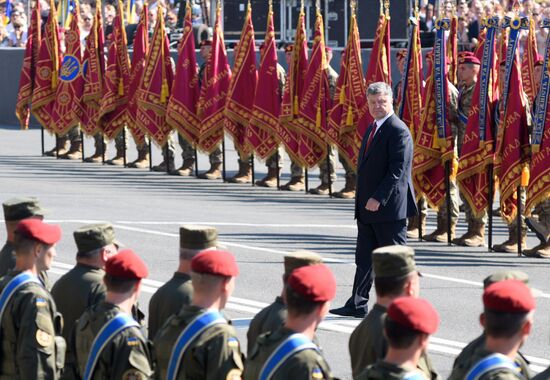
pixel 384 173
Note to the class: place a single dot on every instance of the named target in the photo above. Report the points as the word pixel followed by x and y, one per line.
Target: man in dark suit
pixel 385 195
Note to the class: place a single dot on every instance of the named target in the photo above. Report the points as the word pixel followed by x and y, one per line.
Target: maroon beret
pixel 414 313
pixel 468 57
pixel 313 282
pixel 509 296
pixel 216 262
pixel 38 230
pixel 126 264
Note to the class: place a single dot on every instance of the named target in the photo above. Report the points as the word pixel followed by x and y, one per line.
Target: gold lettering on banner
pixel 510 148
pixel 541 156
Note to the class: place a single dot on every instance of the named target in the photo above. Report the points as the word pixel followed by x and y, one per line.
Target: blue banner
pixel 413 22
pixel 485 73
pixel 440 76
pixel 542 97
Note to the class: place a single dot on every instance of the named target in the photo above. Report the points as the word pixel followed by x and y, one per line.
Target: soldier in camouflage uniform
pixel 308 292
pixel 74 151
pixel 541 226
pixel 212 352
pixel 178 291
pixel 82 286
pixel 408 325
pixel 273 316
pixel 468 70
pixel 395 275
pixel 125 354
pixel 327 174
pixel 507 320
pixel 462 361
pixel 30 324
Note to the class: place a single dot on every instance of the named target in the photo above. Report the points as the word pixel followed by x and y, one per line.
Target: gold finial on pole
pixel 381 7
pixel 387 6
pixel 302 6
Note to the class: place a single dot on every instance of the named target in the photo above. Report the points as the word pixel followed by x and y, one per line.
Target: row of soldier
pixel 89 325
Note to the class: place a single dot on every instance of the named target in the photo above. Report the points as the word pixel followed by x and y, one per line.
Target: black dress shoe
pixel 347 311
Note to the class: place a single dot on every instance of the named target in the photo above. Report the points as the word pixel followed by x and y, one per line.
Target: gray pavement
pixel 259 226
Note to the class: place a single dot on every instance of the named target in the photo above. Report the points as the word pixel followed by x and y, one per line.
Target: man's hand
pixel 372 205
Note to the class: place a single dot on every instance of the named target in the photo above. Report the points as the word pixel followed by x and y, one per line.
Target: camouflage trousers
pixel 277 160
pixel 543 211
pixel 73 135
pixel 442 213
pixel 513 225
pixel 469 215
pixel 326 167
pixel 188 152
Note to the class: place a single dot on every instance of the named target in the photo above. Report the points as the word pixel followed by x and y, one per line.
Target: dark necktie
pixel 371 137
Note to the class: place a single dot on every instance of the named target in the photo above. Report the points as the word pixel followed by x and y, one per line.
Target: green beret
pixel 21 208
pixel 94 236
pixel 393 261
pixel 299 259
pixel 198 237
pixel 506 275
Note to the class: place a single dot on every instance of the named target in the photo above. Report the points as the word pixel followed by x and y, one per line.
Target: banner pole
pixel 196 163
pixel 448 198
pixel 329 172
pixel 103 148
pixel 223 158
pixel 490 206
pixel 277 160
pixel 42 139
pixel 150 155
pixel 82 142
pixel 56 146
pixel 252 169
pixel 124 146
pixel 420 232
pixel 306 173
pixel 166 159
pixel 518 218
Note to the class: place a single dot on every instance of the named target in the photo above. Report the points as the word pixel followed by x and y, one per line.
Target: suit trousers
pixel 369 237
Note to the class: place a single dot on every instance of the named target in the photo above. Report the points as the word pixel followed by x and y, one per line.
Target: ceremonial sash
pixel 542 98
pixel 15 283
pixel 111 329
pixel 492 362
pixel 188 335
pixel 290 346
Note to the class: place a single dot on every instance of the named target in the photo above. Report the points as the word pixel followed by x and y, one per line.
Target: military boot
pixel 61 147
pixel 348 192
pixel 469 233
pixel 477 237
pixel 118 159
pixel 541 228
pixel 440 234
pixel 74 152
pixel 213 173
pixel 142 160
pixel 186 169
pixel 295 184
pixel 98 154
pixel 244 175
pixel 162 166
pixel 270 180
pixel 541 251
pixel 322 189
pixel 510 245
pixel 413 231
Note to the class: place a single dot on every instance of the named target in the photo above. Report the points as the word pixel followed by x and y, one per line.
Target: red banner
pixel 314 102
pixel 141 49
pixel 47 68
pixel 117 80
pixel 294 85
pixel 215 85
pixel 26 80
pixel 260 134
pixel 67 107
pixel 93 72
pixel 154 90
pixel 350 98
pixel 379 70
pixel 181 113
pixel 452 51
pixel 529 58
pixel 240 98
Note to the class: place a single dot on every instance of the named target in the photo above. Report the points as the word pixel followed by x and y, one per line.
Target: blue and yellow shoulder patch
pixel 233 342
pixel 316 373
pixel 132 341
pixel 41 302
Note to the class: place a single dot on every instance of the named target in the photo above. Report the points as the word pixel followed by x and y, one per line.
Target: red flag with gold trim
pixel 93 73
pixel 47 68
pixel 116 84
pixel 530 54
pixel 67 107
pixel 215 86
pixel 26 80
pixel 240 98
pixel 452 51
pixel 350 98
pixel 314 102
pixel 260 134
pixel 290 107
pixel 378 70
pixel 154 89
pixel 141 49
pixel 181 113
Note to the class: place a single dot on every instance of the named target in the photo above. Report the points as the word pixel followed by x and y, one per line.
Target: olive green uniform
pixel 7 263
pixel 463 361
pixel 126 356
pixel 213 355
pixel 367 344
pixel 74 292
pixel 305 364
pixel 496 374
pixel 382 370
pixel 268 319
pixel 29 329
pixel 168 300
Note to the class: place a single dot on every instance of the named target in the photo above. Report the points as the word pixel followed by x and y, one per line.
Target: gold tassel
pixel 435 141
pixel 296 107
pixel 535 148
pixel 349 117
pixel 120 87
pixel 164 91
pixel 454 169
pixel 342 96
pixel 525 176
pixel 318 118
pixel 54 80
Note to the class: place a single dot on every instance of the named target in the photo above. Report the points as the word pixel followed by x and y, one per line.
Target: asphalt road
pixel 259 226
